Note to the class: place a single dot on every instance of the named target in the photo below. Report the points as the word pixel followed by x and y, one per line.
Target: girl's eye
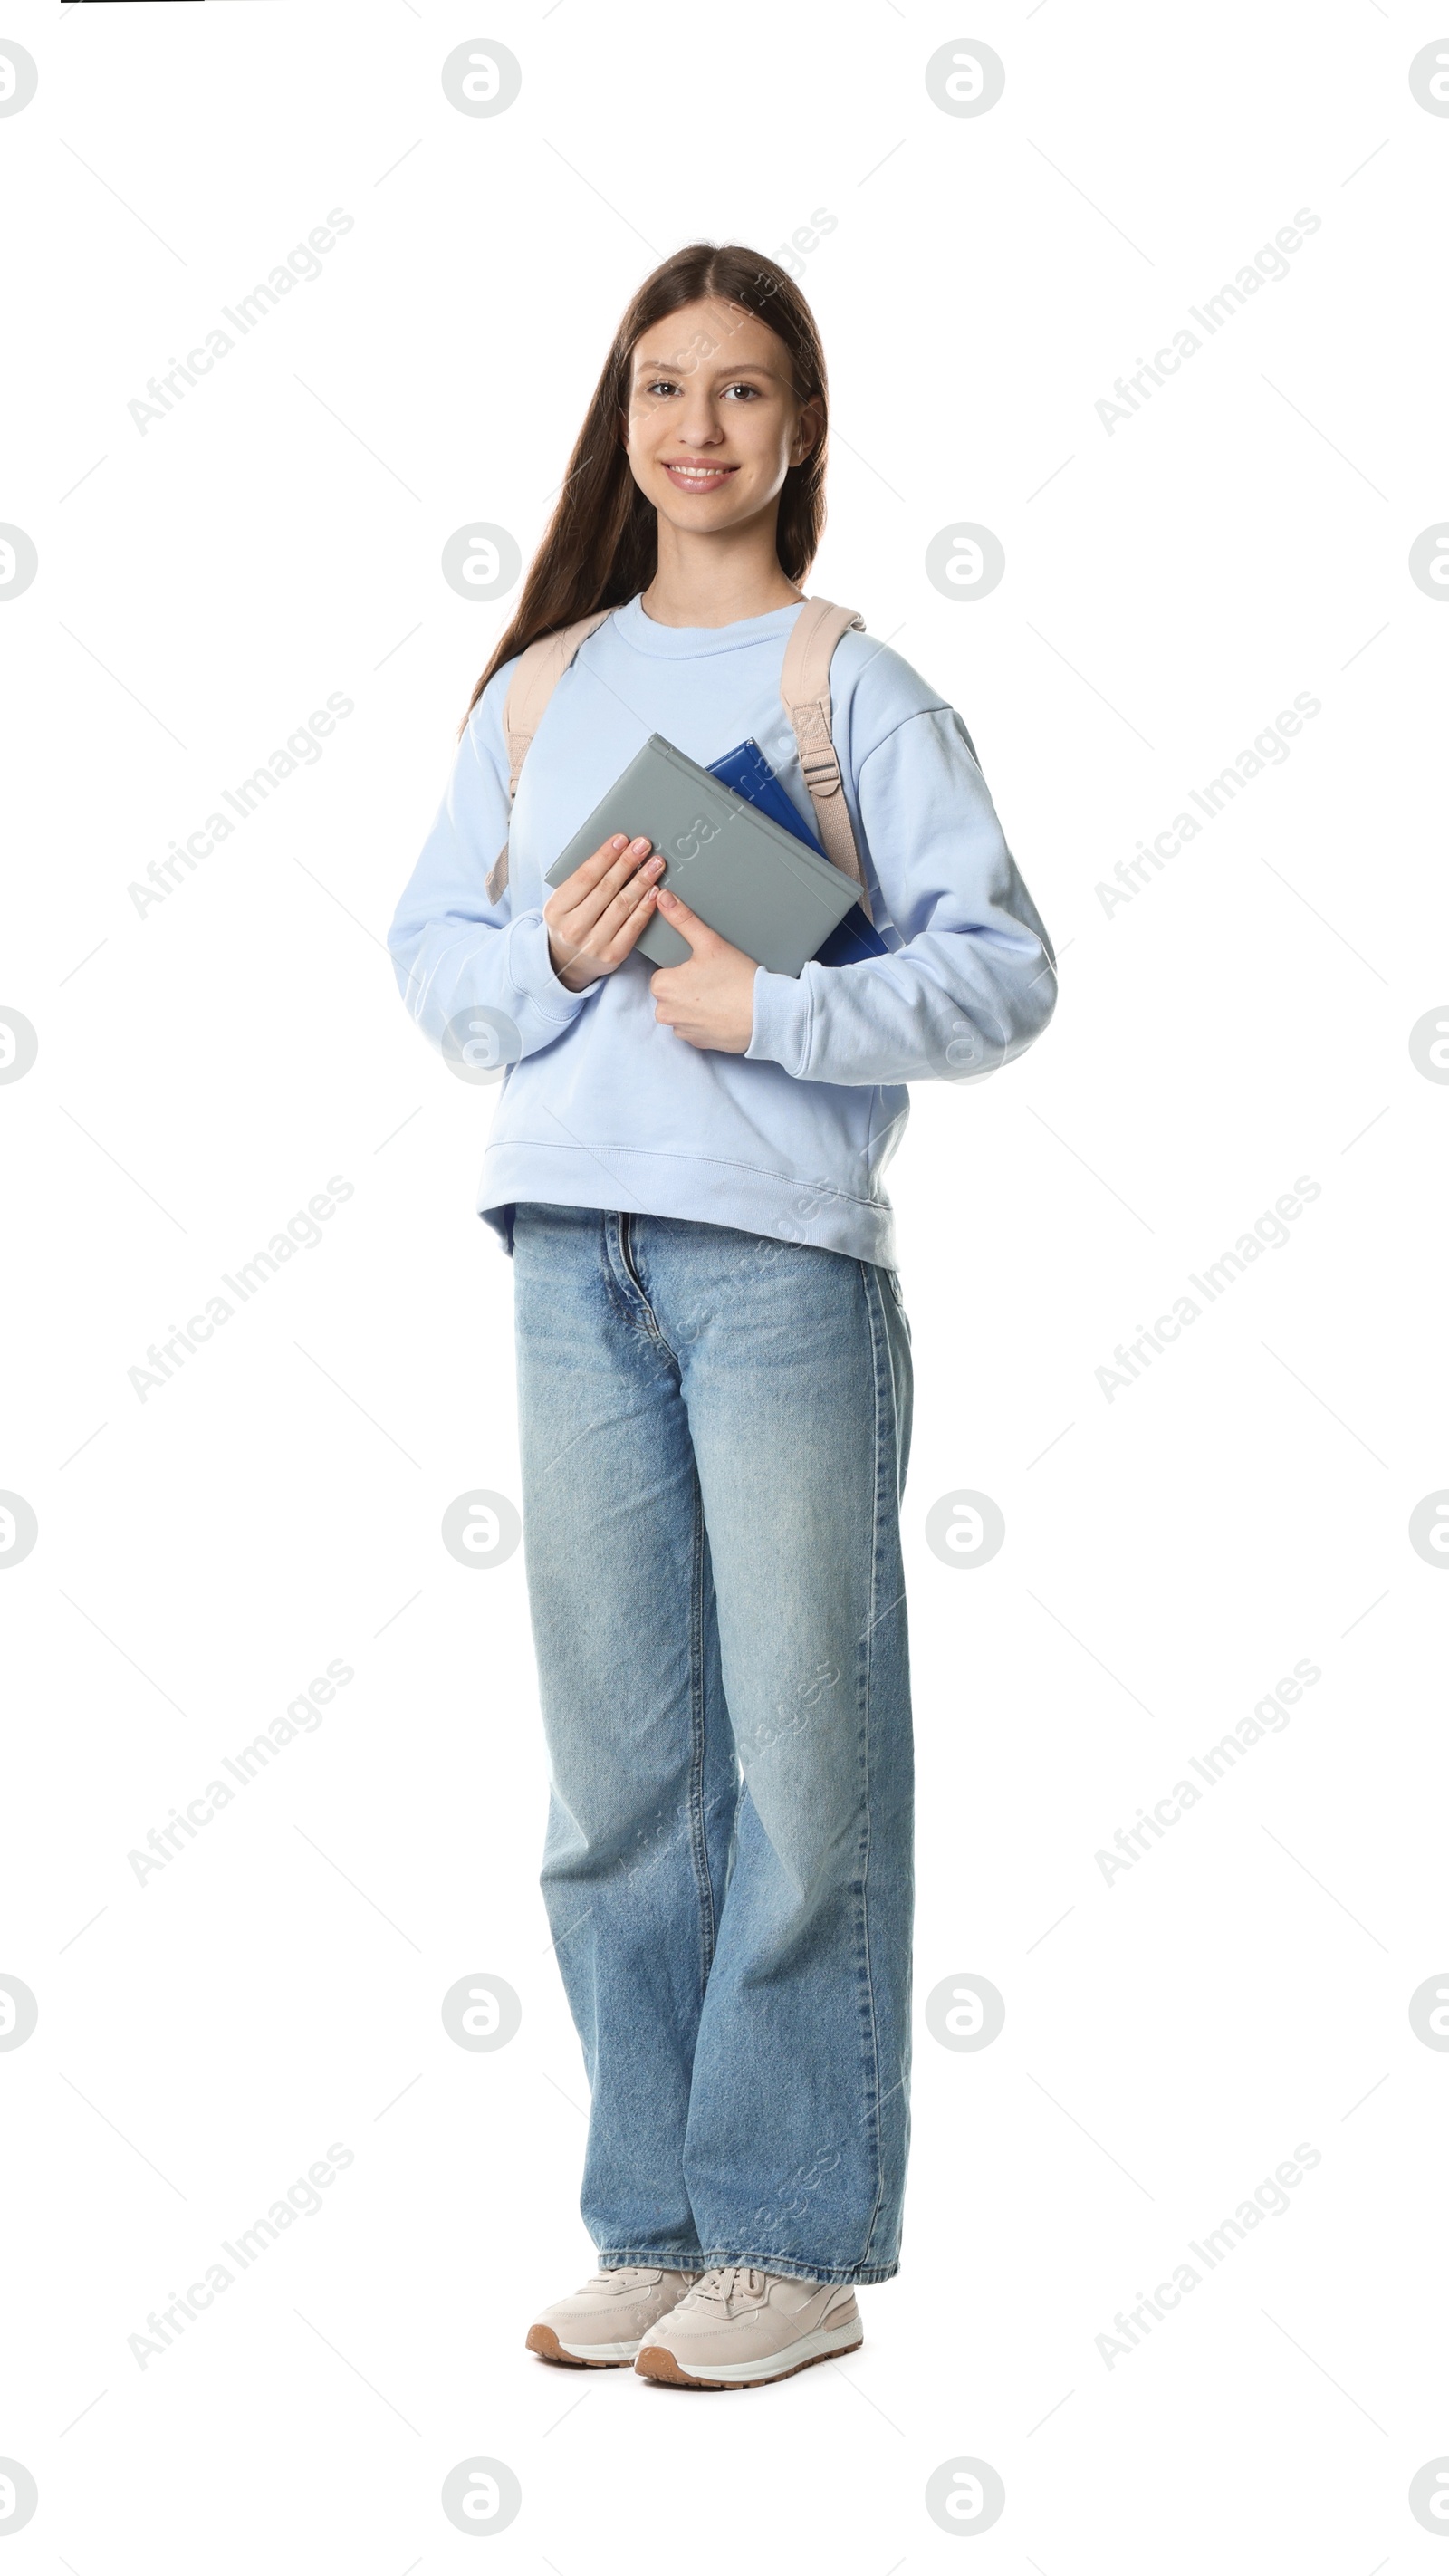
pixel 662 385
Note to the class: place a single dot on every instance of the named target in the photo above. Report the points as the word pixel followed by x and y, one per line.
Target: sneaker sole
pixel 607 2356
pixel 657 2362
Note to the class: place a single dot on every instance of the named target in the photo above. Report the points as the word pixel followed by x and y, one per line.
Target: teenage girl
pixel 714 1365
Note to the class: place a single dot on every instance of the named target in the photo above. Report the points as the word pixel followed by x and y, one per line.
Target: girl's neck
pixel 704 584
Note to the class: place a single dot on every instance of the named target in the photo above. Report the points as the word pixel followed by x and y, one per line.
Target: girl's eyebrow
pixel 676 367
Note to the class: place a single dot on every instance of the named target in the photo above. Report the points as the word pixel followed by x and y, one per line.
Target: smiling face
pixel 713 424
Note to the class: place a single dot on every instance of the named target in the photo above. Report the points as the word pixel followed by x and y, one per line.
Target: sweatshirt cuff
pixel 783 1014
pixel 530 969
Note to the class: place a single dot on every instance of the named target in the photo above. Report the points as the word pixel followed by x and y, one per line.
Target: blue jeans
pixel 714 1431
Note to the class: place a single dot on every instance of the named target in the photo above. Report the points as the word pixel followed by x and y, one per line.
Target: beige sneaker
pixel 600 2327
pixel 738 2327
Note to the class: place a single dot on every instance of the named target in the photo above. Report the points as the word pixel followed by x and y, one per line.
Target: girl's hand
pixel 597 914
pixel 710 1000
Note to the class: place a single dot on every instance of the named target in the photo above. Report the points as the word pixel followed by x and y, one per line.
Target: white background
pixel 204 1069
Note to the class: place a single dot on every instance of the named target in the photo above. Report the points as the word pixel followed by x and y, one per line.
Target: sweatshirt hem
pixel 702 1189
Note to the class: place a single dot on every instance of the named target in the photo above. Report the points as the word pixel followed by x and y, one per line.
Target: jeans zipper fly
pixel 626 1257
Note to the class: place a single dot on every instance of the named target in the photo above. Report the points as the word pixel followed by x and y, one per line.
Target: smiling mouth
pixel 699 478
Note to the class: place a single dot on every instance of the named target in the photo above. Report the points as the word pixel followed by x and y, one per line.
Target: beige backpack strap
pixel 541 666
pixel 539 672
pixel 805 688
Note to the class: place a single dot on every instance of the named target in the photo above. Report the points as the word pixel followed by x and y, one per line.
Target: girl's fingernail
pixel 618 840
pixel 639 848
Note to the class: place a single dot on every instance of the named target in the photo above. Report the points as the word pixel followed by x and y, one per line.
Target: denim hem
pixel 786 2267
pixel 671 2259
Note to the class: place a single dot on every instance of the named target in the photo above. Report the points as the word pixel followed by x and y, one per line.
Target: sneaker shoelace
pixel 725 2281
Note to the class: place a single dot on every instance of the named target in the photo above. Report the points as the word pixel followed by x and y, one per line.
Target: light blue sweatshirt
pixel 607 1107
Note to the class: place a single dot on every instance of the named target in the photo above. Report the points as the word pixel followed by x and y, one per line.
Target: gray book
pixel 745 875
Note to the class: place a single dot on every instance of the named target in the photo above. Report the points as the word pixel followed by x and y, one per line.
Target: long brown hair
pixel 601 545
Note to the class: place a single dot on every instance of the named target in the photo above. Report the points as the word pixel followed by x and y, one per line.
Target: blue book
pixel 748 772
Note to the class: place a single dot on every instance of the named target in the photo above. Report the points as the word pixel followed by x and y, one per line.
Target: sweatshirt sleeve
pixel 974 981
pixel 454 951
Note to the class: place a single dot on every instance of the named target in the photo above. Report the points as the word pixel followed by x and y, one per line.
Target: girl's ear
pixel 807 431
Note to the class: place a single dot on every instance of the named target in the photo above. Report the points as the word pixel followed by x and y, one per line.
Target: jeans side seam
pixel 699 1840
pixel 873 2107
